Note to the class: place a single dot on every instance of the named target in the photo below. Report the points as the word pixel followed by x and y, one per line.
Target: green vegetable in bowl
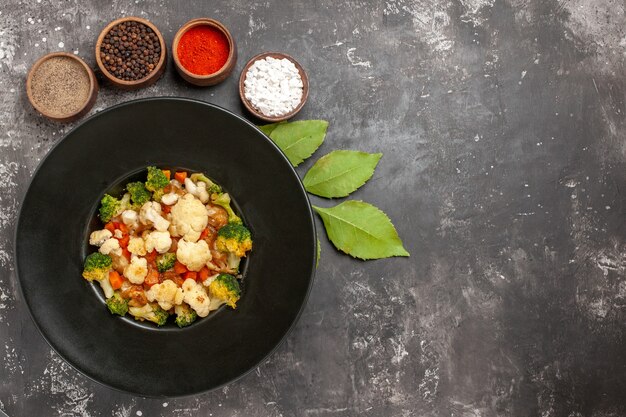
pixel 224 290
pixel 165 261
pixel 185 315
pixel 109 206
pixel 117 304
pixel 151 312
pixel 235 238
pixel 223 200
pixel 156 182
pixel 139 194
pixel 211 187
pixel 97 266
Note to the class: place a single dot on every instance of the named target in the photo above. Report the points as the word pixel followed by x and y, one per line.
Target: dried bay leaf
pixel 340 173
pixel 298 140
pixel 361 230
pixel 268 129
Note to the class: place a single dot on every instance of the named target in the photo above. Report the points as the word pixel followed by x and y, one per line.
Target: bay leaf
pixel 340 173
pixel 268 129
pixel 361 230
pixel 298 140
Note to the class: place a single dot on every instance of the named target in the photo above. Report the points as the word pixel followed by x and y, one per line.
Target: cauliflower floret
pixel 169 199
pixel 98 237
pixel 111 245
pixel 106 288
pixel 197 297
pixel 118 234
pixel 136 246
pixel 189 218
pixel 150 213
pixel 137 270
pixel 159 241
pixel 167 294
pixel 198 190
pixel 130 218
pixel 193 255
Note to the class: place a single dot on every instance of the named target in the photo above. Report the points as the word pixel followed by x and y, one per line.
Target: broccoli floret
pixel 150 312
pixel 233 262
pixel 211 187
pixel 97 266
pixel 139 194
pixel 225 289
pixel 117 305
pixel 223 200
pixel 235 238
pixel 109 207
pixel 165 261
pixel 185 315
pixel 156 180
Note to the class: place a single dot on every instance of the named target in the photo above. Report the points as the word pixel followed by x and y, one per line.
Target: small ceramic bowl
pixel 51 113
pixel 152 76
pixel 255 112
pixel 210 79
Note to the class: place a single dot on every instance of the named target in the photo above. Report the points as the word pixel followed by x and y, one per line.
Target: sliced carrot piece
pixel 179 268
pixel 151 256
pixel 124 241
pixel 110 227
pixel 190 274
pixel 152 278
pixel 116 280
pixel 167 173
pixel 126 253
pixel 180 176
pixel 122 227
pixel 203 274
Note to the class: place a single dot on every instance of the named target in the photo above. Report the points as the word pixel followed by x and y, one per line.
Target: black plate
pixel 59 207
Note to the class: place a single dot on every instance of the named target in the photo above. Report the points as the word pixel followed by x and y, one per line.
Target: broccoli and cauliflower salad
pixel 169 247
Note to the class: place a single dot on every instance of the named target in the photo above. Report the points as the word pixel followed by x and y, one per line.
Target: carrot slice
pixel 203 274
pixel 179 268
pixel 123 228
pixel 167 173
pixel 152 278
pixel 116 280
pixel 180 176
pixel 110 227
pixel 124 241
pixel 126 253
pixel 190 274
pixel 151 256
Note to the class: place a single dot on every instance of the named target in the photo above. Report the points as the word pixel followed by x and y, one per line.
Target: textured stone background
pixel 502 124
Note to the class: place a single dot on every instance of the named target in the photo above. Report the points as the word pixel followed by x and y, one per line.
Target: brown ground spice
pixel 60 85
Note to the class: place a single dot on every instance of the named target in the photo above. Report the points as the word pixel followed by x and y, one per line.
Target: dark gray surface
pixel 502 128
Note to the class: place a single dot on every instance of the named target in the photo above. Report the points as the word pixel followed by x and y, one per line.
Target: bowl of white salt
pixel 273 86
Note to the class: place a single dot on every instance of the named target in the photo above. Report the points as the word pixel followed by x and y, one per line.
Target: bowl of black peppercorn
pixel 131 53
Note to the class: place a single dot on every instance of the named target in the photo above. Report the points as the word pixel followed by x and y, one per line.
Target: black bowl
pixel 58 211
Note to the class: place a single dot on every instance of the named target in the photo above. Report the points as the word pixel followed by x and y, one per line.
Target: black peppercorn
pixel 129 51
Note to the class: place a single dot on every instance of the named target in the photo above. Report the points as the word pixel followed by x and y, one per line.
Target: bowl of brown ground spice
pixel 61 86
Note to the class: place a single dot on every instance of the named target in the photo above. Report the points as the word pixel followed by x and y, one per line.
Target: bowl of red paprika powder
pixel 204 52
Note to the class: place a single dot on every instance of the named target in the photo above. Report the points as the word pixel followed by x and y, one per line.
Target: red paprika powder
pixel 203 50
